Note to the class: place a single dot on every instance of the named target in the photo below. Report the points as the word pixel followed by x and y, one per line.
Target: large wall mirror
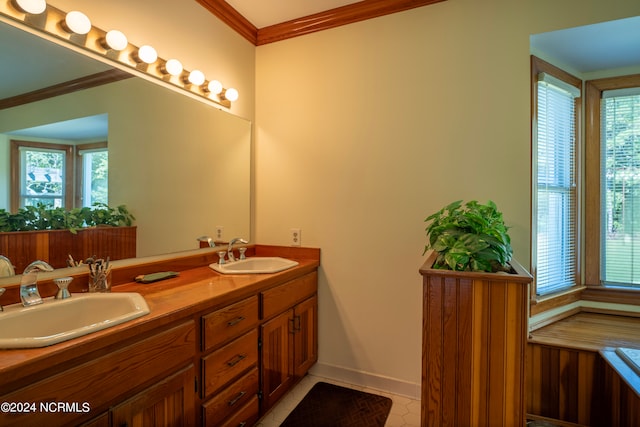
pixel 181 166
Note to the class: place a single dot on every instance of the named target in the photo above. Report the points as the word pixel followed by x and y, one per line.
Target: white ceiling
pixel 606 45
pixel 262 13
pixel 30 63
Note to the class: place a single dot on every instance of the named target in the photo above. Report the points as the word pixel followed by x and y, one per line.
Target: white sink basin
pixel 255 265
pixel 55 321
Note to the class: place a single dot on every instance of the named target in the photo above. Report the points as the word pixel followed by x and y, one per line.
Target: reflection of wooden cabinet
pixel 290 339
pixel 168 403
pixel 55 246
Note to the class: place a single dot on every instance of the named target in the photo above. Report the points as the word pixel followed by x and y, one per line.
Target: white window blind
pixel 620 191
pixel 555 180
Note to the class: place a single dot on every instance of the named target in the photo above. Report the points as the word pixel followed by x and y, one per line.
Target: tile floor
pixel 405 412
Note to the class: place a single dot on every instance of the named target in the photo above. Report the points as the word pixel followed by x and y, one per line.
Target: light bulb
pixel 34 7
pixel 196 77
pixel 77 22
pixel 147 54
pixel 215 87
pixel 173 67
pixel 231 94
pixel 116 40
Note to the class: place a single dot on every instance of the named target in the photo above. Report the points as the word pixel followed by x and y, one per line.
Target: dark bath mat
pixel 329 405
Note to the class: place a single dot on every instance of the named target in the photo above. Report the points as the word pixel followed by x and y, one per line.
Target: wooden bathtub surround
pixel 474 338
pixel 569 380
pixel 194 360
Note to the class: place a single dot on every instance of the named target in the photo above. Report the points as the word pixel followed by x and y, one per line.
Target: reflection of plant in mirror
pixel 472 237
pixel 43 217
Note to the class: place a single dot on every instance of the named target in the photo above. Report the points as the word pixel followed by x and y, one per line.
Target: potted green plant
pixel 52 234
pixel 475 319
pixel 469 237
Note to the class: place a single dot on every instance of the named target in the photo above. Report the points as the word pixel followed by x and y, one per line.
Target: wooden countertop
pixel 195 290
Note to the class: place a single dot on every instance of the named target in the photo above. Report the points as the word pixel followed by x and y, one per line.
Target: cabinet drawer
pixel 247 416
pixel 229 322
pixel 283 297
pixel 230 399
pixel 225 364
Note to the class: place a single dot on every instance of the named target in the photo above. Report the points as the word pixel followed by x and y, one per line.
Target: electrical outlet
pixel 296 237
pixel 219 230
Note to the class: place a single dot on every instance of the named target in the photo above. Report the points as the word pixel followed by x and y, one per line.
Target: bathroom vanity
pixel 215 350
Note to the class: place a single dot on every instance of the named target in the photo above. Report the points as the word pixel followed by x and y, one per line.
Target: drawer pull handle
pixel 238 397
pixel 239 358
pixel 235 321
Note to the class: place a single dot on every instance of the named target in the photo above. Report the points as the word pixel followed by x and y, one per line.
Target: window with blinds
pixel 555 185
pixel 620 187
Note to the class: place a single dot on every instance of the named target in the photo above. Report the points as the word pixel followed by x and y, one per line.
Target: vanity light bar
pixel 146 54
pixel 196 77
pixel 77 22
pixel 115 40
pixel 34 7
pixel 115 46
pixel 173 67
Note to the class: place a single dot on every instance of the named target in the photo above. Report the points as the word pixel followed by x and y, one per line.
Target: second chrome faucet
pixel 232 242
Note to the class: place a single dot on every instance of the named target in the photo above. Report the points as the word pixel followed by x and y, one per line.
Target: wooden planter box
pixel 55 246
pixel 474 337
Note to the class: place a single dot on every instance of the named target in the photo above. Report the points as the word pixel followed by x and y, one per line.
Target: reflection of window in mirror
pixel 92 161
pixel 40 174
pixel 44 173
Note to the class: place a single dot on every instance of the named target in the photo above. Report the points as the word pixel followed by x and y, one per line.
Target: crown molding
pixel 232 18
pixel 344 15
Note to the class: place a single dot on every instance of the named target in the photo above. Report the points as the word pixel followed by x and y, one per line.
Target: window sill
pixel 614 295
pixel 540 304
pixel 593 299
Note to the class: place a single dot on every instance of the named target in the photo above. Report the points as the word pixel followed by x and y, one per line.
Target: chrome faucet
pixel 233 241
pixel 6 268
pixel 29 283
pixel 206 239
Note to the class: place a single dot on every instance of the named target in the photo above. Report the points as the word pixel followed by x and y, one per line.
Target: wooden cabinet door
pixel 170 402
pixel 277 361
pixel 305 323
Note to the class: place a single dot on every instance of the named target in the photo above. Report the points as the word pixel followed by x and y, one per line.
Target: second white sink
pixel 255 265
pixel 55 321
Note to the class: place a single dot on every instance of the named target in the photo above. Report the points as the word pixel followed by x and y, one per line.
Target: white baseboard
pixel 367 379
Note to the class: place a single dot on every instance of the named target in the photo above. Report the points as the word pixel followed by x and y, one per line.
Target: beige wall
pixel 364 130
